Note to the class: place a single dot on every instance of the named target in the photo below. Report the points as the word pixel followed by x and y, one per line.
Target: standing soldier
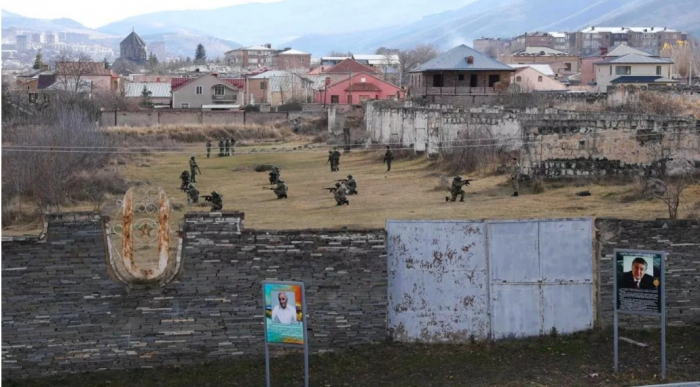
pixel 388 157
pixel 185 177
pixel 340 194
pixel 336 157
pixel 208 147
pixel 192 194
pixel 227 146
pixel 351 183
pixel 233 142
pixel 280 190
pixel 274 175
pixel 221 147
pixel 515 176
pixel 194 168
pixel 456 189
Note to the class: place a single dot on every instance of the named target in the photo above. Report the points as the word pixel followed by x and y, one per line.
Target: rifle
pixel 199 170
pixel 342 180
pixel 268 188
pixel 207 198
pixel 331 189
pixel 467 181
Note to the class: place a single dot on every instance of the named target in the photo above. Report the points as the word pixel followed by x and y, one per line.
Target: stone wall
pixel 680 239
pixel 192 117
pixel 63 313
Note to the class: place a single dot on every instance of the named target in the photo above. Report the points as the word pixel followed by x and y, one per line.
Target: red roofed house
pixel 207 90
pixel 100 78
pixel 360 87
pixel 345 70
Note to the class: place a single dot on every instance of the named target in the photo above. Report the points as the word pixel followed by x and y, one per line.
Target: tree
pixel 146 95
pixel 685 53
pixel 71 72
pixel 409 59
pixel 200 55
pixel 152 61
pixel 107 65
pixel 38 63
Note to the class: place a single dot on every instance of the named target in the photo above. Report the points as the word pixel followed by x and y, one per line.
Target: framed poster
pixel 638 280
pixel 284 313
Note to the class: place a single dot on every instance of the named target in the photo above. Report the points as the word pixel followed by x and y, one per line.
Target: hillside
pixel 13 20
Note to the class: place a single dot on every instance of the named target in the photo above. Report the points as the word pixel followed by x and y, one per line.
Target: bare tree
pixel 409 59
pixel 669 190
pixel 72 70
pixel 685 54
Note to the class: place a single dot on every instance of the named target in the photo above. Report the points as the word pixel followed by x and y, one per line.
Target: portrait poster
pixel 284 315
pixel 638 276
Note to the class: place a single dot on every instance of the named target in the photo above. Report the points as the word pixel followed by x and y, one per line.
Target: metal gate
pixel 453 280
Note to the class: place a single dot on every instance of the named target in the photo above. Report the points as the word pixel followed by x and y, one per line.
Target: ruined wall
pixel 63 313
pixel 680 239
pixel 552 142
pixel 192 117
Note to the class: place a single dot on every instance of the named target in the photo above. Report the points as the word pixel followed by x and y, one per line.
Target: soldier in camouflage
pixel 227 147
pixel 192 194
pixel 194 168
pixel 281 190
pixel 456 189
pixel 221 147
pixel 340 194
pixel 336 158
pixel 515 176
pixel 351 184
pixel 185 178
pixel 217 202
pixel 208 147
pixel 388 158
pixel 274 175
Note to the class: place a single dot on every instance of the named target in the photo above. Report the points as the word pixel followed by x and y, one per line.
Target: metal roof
pixel 636 59
pixel 625 30
pixel 642 79
pixel 543 68
pixel 286 81
pixel 157 89
pixel 539 51
pixel 456 59
pixel 294 52
pixel 624 49
pixel 378 59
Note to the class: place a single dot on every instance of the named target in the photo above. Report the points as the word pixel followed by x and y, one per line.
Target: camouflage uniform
pixel 216 202
pixel 281 190
pixel 515 177
pixel 227 147
pixel 233 142
pixel 192 194
pixel 208 147
pixel 193 169
pixel 185 177
pixel 351 183
pixel 388 158
pixel 456 189
pixel 221 147
pixel 336 158
pixel 274 175
pixel 340 194
pixel 330 160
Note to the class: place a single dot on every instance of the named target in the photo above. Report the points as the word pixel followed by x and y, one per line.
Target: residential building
pixel 38 37
pixel 73 37
pixel 587 63
pixel 534 39
pixel 278 87
pixel 209 89
pixel 650 39
pixel 51 38
pixel 492 47
pixel 357 89
pixel 560 41
pixel 545 55
pixel 248 57
pixel 100 78
pixel 160 92
pixel 633 69
pixel 133 48
pixel 22 43
pixel 459 71
pixel 346 69
pixel 330 61
pixel 528 79
pixel 542 68
pixel 290 60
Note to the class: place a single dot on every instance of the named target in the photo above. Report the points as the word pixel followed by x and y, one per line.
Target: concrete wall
pixel 680 239
pixel 260 118
pixel 223 117
pixel 63 313
pixel 552 142
pixel 192 117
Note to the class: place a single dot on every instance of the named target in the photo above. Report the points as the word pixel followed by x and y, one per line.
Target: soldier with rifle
pixel 456 189
pixel 221 147
pixel 330 160
pixel 280 190
pixel 388 158
pixel 336 158
pixel 208 147
pixel 185 177
pixel 215 199
pixel 194 168
pixel 227 147
pixel 274 175
pixel 233 142
pixel 351 184
pixel 192 194
pixel 339 194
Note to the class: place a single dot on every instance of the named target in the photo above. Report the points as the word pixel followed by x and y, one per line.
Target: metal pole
pixel 306 336
pixel 267 363
pixel 663 318
pixel 617 354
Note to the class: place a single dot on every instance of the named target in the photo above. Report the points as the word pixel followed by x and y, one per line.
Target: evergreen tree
pixel 146 94
pixel 200 55
pixel 152 61
pixel 37 61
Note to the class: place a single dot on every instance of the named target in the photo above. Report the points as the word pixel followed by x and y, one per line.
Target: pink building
pixel 360 87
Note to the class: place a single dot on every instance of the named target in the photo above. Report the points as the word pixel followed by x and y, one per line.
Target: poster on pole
pixel 284 313
pixel 638 279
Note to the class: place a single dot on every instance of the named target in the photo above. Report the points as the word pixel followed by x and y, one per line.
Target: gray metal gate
pixel 450 280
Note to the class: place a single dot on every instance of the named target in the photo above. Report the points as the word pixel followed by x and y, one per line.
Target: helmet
pixel 337 184
pixel 458 178
pixel 330 151
pixel 192 157
pixel 387 147
pixel 349 176
pixel 213 193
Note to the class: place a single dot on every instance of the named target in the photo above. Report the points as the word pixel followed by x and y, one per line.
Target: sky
pixel 94 14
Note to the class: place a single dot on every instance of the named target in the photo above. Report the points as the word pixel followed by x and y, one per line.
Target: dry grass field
pixel 410 191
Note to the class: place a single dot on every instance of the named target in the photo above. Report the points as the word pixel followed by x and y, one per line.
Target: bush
pixel 262 167
pixel 474 149
pixel 252 108
pixel 290 107
pixel 538 186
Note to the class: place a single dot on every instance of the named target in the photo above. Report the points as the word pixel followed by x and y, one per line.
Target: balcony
pixel 458 90
pixel 215 97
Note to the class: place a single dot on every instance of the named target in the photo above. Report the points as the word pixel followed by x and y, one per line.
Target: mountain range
pixel 318 26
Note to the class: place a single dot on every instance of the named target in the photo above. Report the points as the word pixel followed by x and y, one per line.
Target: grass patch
pixel 581 359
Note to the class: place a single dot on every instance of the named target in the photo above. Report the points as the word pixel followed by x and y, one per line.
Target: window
pixel 263 85
pixel 623 70
pixel 184 105
pixel 334 99
pixel 473 80
pixel 219 90
pixel 253 60
pixel 460 77
pixel 518 78
pixel 567 66
pixel 437 80
pixel 493 79
pixel 610 70
pixel 539 79
pixel 198 90
pixel 658 70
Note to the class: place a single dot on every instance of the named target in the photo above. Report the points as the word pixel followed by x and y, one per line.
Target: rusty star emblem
pixel 146 230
